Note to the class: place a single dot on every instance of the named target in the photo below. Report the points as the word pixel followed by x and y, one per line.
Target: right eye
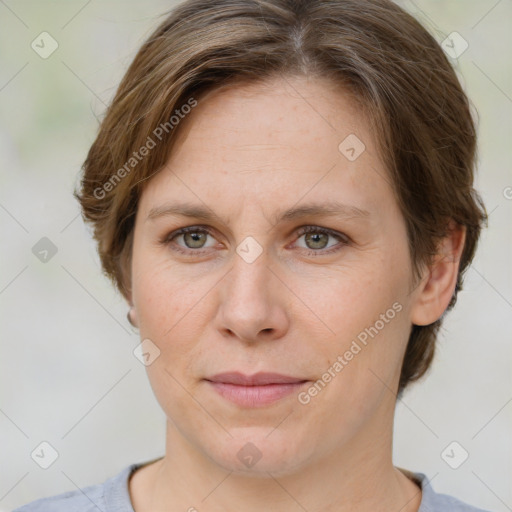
pixel 194 238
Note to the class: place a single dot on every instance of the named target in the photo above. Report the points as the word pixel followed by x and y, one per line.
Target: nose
pixel 253 302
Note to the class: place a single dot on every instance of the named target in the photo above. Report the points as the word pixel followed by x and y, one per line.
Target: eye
pixel 194 238
pixel 316 238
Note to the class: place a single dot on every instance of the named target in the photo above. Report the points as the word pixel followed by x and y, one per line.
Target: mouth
pixel 255 390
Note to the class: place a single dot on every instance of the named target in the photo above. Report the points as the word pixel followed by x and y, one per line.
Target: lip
pixel 258 379
pixel 255 390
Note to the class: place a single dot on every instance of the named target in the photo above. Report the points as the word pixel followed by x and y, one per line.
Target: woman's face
pixel 247 290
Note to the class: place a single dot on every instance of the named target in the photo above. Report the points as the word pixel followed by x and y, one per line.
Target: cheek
pixel 360 369
pixel 351 301
pixel 368 313
pixel 164 302
pixel 167 307
pixel 159 286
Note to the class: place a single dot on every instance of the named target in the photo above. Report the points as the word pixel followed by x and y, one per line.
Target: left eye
pixel 317 238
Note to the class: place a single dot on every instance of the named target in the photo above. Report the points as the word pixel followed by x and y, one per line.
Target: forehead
pixel 274 112
pixel 273 142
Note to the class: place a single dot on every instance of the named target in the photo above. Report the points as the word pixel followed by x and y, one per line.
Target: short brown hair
pixel 404 83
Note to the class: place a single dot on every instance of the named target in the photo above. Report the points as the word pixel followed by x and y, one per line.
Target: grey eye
pixel 194 239
pixel 317 240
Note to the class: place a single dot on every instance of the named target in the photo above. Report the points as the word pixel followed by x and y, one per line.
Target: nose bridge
pixel 250 300
pixel 250 274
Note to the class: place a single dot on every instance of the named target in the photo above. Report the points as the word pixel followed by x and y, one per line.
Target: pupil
pixel 196 237
pixel 315 240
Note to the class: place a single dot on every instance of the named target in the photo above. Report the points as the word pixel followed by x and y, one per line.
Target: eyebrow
pixel 201 212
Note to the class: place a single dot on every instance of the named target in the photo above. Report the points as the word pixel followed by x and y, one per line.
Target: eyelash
pixel 344 239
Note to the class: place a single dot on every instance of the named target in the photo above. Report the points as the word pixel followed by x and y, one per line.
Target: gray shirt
pixel 113 496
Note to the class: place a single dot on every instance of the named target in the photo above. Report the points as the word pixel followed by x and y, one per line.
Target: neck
pixel 357 475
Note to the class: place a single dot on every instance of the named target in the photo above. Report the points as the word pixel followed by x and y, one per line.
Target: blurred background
pixel 68 376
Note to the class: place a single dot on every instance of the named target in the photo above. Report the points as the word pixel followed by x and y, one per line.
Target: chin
pixel 258 451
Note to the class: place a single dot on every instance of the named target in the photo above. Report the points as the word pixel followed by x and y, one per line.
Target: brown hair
pixel 399 74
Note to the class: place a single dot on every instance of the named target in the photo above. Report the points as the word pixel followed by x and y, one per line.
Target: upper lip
pixel 258 379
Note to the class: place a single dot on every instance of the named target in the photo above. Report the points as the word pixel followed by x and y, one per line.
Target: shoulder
pixel 88 499
pixel 109 496
pixel 432 501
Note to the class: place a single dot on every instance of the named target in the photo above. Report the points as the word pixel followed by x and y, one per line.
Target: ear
pixel 436 289
pixel 132 317
pixel 132 312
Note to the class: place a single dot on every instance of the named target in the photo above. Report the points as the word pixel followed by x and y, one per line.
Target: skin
pixel 249 152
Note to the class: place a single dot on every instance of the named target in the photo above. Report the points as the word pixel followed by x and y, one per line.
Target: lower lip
pixel 255 396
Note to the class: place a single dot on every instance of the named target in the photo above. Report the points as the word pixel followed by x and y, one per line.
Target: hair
pixel 372 49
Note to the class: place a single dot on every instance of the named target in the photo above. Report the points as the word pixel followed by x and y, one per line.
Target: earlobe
pixel 437 287
pixel 132 317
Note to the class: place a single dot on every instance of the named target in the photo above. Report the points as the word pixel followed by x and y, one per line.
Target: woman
pixel 283 192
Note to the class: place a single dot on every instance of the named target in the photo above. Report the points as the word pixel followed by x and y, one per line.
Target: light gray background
pixel 68 375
